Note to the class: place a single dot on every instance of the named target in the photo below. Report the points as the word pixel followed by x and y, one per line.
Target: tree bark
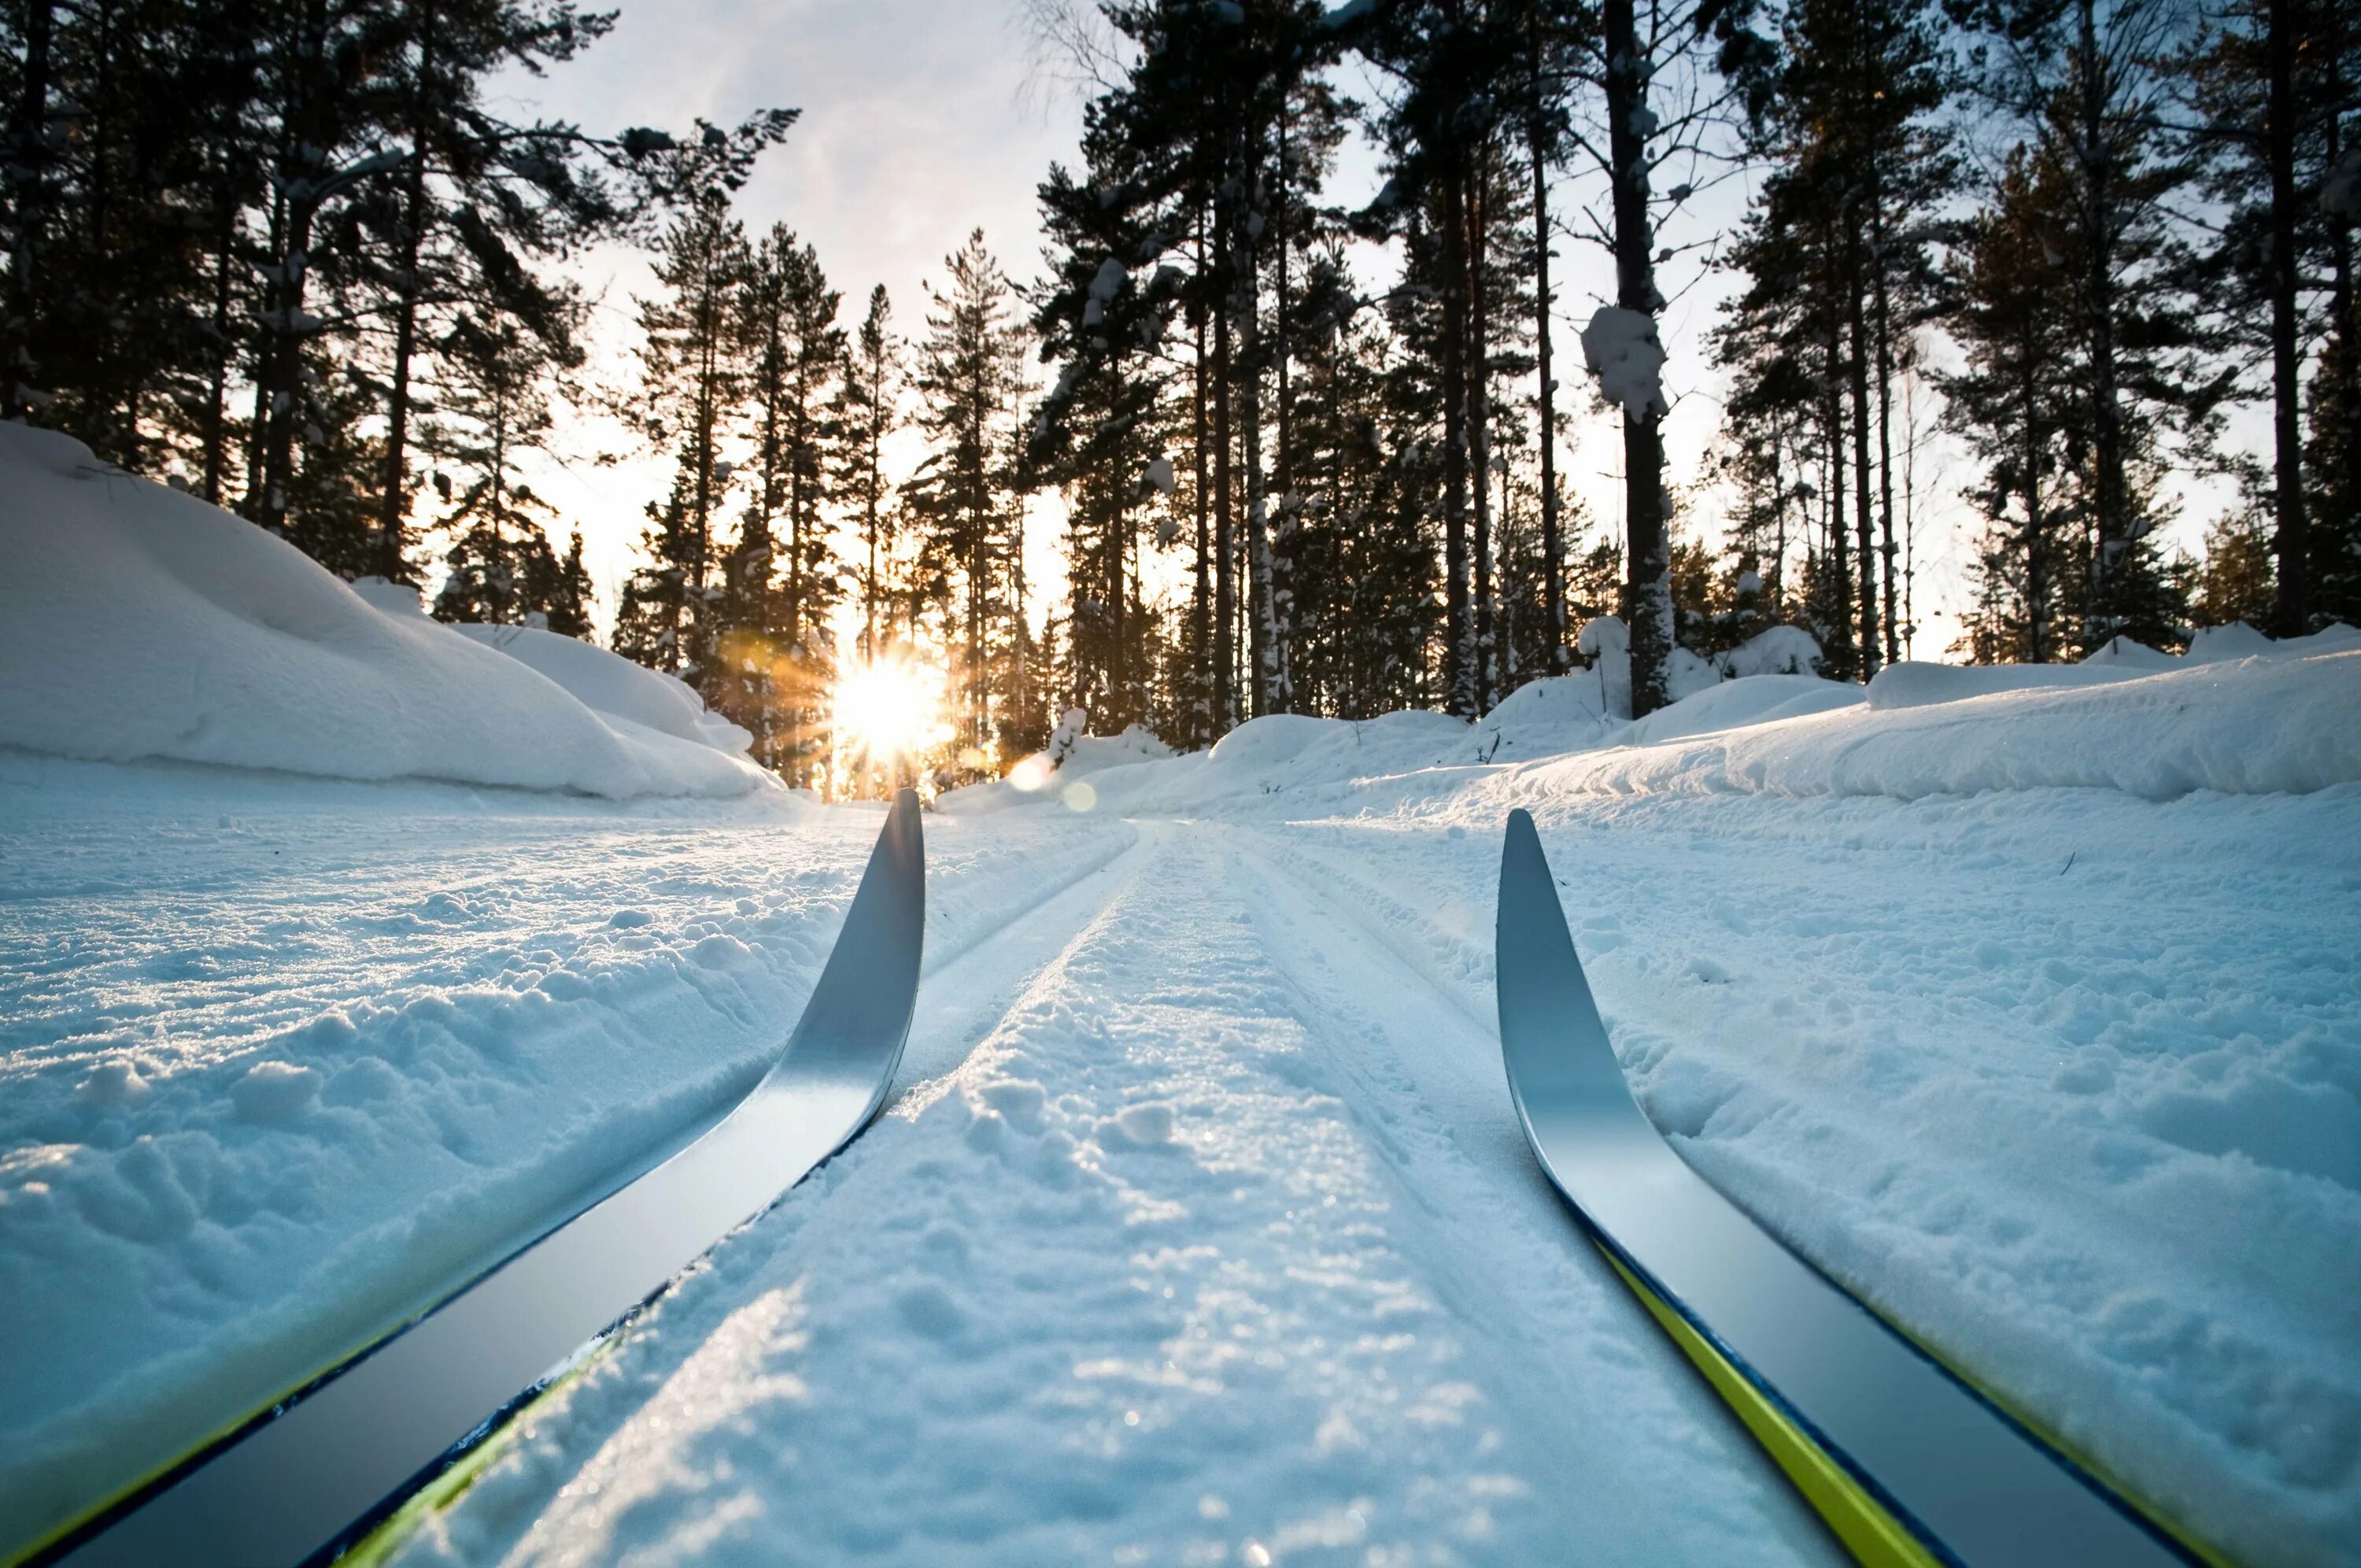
pixel 1225 569
pixel 393 505
pixel 29 159
pixel 2292 544
pixel 1459 626
pixel 1552 549
pixel 1864 520
pixel 1884 327
pixel 1648 591
pixel 1479 422
pixel 1200 609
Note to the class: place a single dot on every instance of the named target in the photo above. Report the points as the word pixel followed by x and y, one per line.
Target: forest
pixel 293 258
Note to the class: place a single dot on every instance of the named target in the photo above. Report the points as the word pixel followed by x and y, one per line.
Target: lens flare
pixel 889 709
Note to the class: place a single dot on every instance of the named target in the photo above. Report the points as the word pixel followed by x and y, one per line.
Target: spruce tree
pixel 967 379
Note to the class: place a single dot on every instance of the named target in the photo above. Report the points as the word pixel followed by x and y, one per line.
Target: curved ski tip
pixel 905 833
pixel 1521 830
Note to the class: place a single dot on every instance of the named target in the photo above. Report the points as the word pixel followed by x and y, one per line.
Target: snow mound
pixel 2124 651
pixel 1071 756
pixel 140 622
pixel 2245 727
pixel 1915 684
pixel 1748 700
pixel 1775 650
pixel 1912 684
pixel 609 685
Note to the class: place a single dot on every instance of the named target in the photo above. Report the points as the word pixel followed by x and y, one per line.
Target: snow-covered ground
pixel 1199 1229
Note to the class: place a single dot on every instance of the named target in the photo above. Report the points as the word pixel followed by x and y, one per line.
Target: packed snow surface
pixel 137 621
pixel 1199 1228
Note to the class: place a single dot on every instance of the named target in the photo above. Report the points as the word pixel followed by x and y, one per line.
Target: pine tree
pixel 2275 83
pixel 867 415
pixel 2082 79
pixel 967 380
pixel 495 407
pixel 692 380
pixel 791 352
pixel 2009 403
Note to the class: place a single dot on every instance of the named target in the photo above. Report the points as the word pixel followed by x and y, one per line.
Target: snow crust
pixel 137 621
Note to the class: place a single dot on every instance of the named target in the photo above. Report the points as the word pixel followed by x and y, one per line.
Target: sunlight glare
pixel 889 709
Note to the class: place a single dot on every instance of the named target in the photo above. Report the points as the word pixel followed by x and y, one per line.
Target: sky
pixel 922 121
pixel 917 127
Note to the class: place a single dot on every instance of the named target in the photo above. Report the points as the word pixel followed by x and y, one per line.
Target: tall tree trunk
pixel 393 505
pixel 1884 328
pixel 1283 524
pixel 1263 639
pixel 28 166
pixel 1201 608
pixel 1459 623
pixel 2036 573
pixel 284 323
pixel 2292 544
pixel 1648 594
pixel 1865 518
pixel 1224 568
pixel 215 424
pixel 2113 498
pixel 1841 613
pixel 1480 419
pixel 1552 549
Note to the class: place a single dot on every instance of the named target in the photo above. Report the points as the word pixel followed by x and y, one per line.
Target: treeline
pixel 781 508
pixel 2074 233
pixel 284 252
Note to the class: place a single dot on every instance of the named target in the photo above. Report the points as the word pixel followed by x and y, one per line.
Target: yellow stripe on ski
pixel 1874 1537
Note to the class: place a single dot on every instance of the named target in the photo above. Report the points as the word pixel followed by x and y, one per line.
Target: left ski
pixel 306 1480
pixel 1907 1463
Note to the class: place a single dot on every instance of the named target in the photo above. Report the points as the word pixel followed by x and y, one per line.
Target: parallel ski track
pixel 949 1013
pixel 952 1020
pixel 1421 1074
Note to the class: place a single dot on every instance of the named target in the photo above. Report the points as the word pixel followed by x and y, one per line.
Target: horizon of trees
pixel 284 254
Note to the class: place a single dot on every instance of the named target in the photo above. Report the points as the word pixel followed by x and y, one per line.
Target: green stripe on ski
pixel 377 1547
pixel 1874 1537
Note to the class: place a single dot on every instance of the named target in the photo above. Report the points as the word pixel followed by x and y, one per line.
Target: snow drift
pixel 140 622
pixel 2256 726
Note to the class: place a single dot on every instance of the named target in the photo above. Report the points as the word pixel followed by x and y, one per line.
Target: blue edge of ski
pixel 1906 1463
pixel 312 1478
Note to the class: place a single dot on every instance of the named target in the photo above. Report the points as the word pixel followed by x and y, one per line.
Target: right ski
pixel 308 1478
pixel 1907 1464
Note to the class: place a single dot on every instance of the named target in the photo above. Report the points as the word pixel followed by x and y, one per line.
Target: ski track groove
pixel 156 1407
pixel 1092 1419
pixel 1459 1152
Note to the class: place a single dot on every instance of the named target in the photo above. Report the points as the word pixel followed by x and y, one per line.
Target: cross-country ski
pixel 306 1477
pixel 1229 784
pixel 1905 1463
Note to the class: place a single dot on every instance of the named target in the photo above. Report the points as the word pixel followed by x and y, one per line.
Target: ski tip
pixel 1521 831
pixel 903 831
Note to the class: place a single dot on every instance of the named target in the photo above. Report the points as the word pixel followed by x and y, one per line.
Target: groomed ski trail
pixel 1086 1252
pixel 611 953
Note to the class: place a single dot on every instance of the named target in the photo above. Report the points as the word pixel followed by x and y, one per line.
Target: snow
pixel 1622 348
pixel 138 622
pixel 285 1057
pixel 1200 1227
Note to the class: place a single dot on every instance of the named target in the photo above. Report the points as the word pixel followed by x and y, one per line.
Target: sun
pixel 888 709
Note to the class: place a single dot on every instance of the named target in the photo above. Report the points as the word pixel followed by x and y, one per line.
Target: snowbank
pixel 1072 756
pixel 1915 685
pixel 2246 726
pixel 140 622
